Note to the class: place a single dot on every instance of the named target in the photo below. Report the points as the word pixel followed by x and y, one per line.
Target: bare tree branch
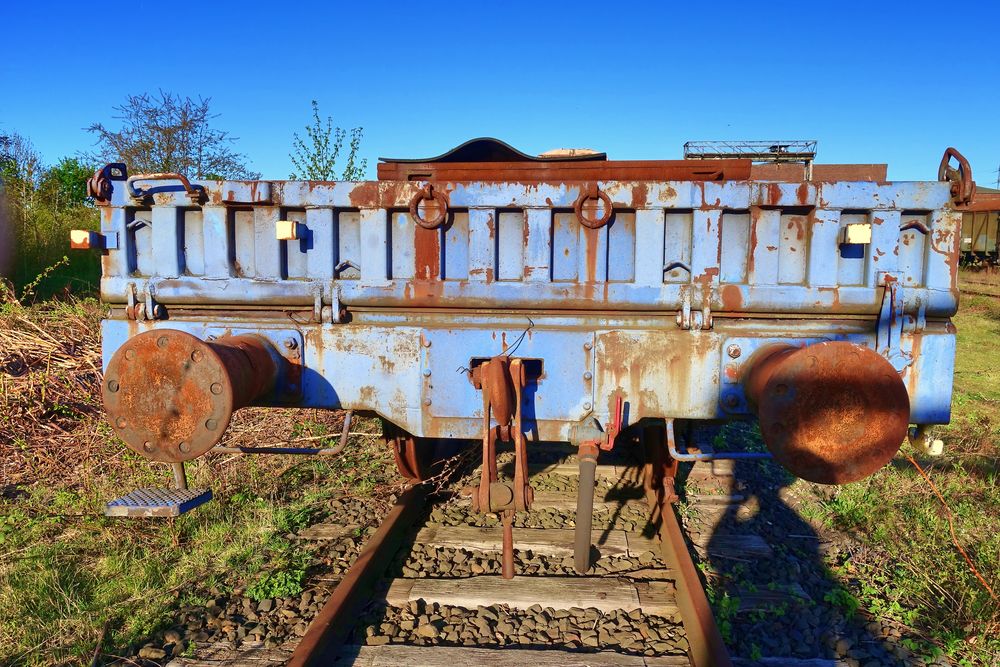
pixel 167 133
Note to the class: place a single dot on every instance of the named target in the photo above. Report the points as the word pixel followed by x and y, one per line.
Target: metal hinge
pixel 688 319
pixel 142 307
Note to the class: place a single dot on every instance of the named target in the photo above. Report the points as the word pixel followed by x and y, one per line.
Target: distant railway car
pixel 979 236
pixel 489 295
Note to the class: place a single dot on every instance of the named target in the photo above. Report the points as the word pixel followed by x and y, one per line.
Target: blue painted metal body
pixel 653 306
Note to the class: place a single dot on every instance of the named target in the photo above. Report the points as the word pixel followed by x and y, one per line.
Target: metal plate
pixel 157 502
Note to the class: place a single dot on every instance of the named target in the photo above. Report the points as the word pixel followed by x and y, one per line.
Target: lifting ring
pixel 427 193
pixel 593 192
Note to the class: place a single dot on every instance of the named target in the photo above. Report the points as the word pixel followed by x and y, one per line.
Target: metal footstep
pixel 157 502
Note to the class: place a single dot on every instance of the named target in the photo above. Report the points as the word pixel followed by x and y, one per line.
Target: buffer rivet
pixel 113 386
pixel 184 447
pixel 197 355
pixel 216 388
pixel 211 424
pixel 162 341
pixel 120 422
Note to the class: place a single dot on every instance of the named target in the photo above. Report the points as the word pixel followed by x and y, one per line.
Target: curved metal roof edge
pixel 496 151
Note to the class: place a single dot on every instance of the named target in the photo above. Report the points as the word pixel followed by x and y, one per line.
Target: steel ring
pixel 593 193
pixel 428 193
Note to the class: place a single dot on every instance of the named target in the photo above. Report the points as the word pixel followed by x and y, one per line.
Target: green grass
pixel 913 573
pixel 67 572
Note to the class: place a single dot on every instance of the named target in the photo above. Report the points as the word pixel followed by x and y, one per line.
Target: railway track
pixel 426 588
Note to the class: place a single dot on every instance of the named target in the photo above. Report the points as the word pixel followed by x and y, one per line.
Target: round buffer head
pixel 831 413
pixel 168 395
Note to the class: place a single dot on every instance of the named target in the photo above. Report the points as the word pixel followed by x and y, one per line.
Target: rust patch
pixel 382 194
pixel 732 297
pixel 592 239
pixel 426 253
pixel 773 194
pixel 802 193
pixel 754 220
pixel 640 194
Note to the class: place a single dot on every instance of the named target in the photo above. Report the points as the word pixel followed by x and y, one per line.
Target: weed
pixel 281 584
pixel 842 599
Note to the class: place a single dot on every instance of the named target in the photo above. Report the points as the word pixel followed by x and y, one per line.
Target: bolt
pixel 211 337
pixel 731 401
pixel 734 351
pixel 291 343
pixel 427 401
pixel 427 343
pixel 587 406
pixel 427 372
pixel 588 375
pixel 588 346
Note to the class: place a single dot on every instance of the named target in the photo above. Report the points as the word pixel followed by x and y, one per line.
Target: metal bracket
pixel 144 308
pixel 889 330
pixel 688 319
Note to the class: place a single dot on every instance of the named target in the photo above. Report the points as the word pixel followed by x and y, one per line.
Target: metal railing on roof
pixel 758 151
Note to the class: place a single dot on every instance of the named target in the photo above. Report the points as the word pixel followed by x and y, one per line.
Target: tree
pixel 167 133
pixel 317 159
pixel 20 170
pixel 42 205
pixel 65 183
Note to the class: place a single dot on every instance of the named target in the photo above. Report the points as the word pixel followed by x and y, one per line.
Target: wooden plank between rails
pixel 655 597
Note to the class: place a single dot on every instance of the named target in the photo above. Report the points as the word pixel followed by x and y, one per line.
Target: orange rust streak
pixel 427 253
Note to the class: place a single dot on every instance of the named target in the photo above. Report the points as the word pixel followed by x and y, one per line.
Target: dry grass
pixel 66 572
pixel 49 389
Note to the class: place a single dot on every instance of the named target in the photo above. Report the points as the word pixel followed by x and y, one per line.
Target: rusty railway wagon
pixel 487 295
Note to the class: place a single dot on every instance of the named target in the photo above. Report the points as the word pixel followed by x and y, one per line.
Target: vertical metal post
pixel 180 478
pixel 585 506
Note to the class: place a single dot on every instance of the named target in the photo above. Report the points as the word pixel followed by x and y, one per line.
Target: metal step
pixel 157 502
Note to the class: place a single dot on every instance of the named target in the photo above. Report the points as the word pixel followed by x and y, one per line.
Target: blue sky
pixel 871 83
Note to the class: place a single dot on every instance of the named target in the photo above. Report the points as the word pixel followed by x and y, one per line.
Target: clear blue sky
pixel 872 84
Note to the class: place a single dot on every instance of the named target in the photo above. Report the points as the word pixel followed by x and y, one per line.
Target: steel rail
pixel 329 630
pixel 705 645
